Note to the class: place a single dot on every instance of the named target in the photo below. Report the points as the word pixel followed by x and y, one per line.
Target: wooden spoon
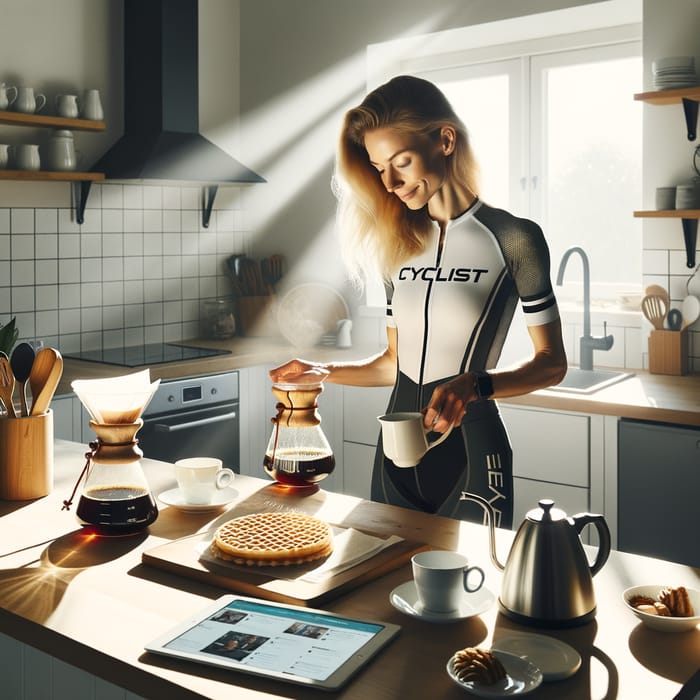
pixel 43 379
pixel 654 308
pixel 21 362
pixel 7 385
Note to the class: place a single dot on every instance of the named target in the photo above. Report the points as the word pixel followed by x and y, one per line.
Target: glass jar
pixel 219 320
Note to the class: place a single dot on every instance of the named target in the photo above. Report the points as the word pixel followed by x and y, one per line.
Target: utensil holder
pixel 26 457
pixel 668 352
pixel 258 315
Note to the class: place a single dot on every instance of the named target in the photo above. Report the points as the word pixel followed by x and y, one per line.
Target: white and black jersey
pixel 452 306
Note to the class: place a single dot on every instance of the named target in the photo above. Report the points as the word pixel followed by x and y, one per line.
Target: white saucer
pixel 405 599
pixel 522 677
pixel 222 498
pixel 556 659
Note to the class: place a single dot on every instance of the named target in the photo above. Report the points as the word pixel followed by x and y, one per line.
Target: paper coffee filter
pixel 114 400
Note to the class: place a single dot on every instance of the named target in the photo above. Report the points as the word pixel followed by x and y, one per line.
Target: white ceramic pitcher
pixel 28 102
pixel 8 94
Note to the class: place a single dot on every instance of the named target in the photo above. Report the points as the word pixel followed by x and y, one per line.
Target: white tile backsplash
pixel 128 274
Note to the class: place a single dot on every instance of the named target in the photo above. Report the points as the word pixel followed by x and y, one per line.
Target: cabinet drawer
pixel 549 446
pixel 357 469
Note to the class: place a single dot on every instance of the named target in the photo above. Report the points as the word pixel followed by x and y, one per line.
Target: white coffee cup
pixel 442 579
pixel 405 439
pixel 199 478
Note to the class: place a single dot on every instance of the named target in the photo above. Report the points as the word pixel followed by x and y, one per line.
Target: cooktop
pixel 148 354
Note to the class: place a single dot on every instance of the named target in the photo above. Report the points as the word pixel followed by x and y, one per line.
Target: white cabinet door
pixel 357 472
pixel 62 407
pixel 549 445
pixel 361 408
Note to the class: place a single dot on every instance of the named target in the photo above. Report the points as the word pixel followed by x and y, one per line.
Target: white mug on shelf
pixel 25 156
pixel 27 102
pixel 67 106
pixel 92 106
pixel 4 156
pixel 8 94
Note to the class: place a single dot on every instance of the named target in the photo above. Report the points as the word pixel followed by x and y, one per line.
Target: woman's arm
pixel 377 370
pixel 547 366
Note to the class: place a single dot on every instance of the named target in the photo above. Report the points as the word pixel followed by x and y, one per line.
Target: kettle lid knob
pixel 546 512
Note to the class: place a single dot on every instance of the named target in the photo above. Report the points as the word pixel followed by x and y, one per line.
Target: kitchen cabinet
pixel 561 455
pixel 689 98
pixel 83 179
pixel 659 485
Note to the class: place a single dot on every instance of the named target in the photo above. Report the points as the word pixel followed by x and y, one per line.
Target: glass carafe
pixel 115 498
pixel 298 453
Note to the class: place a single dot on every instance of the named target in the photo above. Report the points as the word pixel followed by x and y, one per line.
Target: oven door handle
pixel 164 428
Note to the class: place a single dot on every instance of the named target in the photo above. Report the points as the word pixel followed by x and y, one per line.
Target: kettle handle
pixel 580 521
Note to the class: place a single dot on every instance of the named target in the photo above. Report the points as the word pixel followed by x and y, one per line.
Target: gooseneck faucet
pixel 587 342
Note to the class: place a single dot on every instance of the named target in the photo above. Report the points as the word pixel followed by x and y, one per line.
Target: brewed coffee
pixel 299 467
pixel 117 510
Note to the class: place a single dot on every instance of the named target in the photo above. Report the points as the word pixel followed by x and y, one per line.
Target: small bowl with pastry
pixel 664 608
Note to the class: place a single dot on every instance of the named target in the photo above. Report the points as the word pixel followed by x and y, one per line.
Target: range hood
pixel 161 139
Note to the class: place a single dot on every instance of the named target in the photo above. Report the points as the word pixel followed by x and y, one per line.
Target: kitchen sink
pixel 588 381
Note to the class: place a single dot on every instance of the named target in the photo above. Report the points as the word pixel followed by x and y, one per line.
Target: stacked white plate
pixel 687 196
pixel 674 72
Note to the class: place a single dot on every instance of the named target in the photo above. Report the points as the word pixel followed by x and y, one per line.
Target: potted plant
pixel 8 336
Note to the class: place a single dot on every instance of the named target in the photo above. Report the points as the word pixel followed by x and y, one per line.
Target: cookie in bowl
pixel 664 608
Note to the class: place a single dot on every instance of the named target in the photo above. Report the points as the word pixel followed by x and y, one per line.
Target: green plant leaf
pixel 8 336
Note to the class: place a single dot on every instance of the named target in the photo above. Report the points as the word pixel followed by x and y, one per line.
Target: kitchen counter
pixel 644 396
pixel 91 602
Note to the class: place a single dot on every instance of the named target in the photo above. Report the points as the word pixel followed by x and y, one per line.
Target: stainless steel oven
pixel 196 417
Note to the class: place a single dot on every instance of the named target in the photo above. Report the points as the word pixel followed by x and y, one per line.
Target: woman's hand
pixel 448 404
pixel 299 372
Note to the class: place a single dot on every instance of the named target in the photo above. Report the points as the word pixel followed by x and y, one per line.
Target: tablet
pixel 276 640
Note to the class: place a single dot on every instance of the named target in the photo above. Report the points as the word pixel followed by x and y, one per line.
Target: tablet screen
pixel 288 642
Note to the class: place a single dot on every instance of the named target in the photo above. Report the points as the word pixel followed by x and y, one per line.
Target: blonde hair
pixel 377 231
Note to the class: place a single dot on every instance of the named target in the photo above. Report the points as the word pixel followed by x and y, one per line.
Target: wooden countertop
pixel 93 604
pixel 644 396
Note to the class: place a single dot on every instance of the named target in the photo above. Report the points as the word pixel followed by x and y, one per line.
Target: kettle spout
pixel 488 509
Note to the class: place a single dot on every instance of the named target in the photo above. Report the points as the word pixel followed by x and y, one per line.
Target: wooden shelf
pixel 669 214
pixel 41 120
pixel 50 175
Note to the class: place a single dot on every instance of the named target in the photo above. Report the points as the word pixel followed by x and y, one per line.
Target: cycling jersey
pixel 452 306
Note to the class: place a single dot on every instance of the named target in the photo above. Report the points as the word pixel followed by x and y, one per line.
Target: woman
pixel 454 269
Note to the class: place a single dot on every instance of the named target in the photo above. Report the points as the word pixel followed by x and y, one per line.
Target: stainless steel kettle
pixel 547 579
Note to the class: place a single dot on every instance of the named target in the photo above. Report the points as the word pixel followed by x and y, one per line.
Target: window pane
pixel 483 105
pixel 592 179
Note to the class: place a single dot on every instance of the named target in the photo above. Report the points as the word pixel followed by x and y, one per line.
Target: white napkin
pixel 350 547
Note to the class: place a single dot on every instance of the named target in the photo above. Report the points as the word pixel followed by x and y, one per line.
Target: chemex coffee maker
pixel 116 498
pixel 298 453
pixel 547 580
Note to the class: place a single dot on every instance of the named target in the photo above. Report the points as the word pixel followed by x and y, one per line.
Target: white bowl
pixel 663 624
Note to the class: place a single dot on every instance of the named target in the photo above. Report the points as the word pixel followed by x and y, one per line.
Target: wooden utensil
pixel 7 385
pixel 43 379
pixel 654 308
pixel 21 362
pixel 659 291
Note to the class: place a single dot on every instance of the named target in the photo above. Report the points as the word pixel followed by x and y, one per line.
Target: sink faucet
pixel 588 343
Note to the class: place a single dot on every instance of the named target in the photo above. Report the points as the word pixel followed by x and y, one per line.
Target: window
pixel 556 132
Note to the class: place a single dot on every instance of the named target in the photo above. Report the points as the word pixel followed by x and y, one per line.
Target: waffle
pixel 273 539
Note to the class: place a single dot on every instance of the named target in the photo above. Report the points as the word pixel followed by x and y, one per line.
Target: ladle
pixel 43 379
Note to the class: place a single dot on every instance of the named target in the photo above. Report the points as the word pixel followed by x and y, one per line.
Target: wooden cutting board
pixel 280 584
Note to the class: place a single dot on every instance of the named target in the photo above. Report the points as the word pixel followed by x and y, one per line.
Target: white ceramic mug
pixel 8 94
pixel 67 106
pixel 442 579
pixel 4 156
pixel 405 439
pixel 29 103
pixel 199 478
pixel 25 156
pixel 92 106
